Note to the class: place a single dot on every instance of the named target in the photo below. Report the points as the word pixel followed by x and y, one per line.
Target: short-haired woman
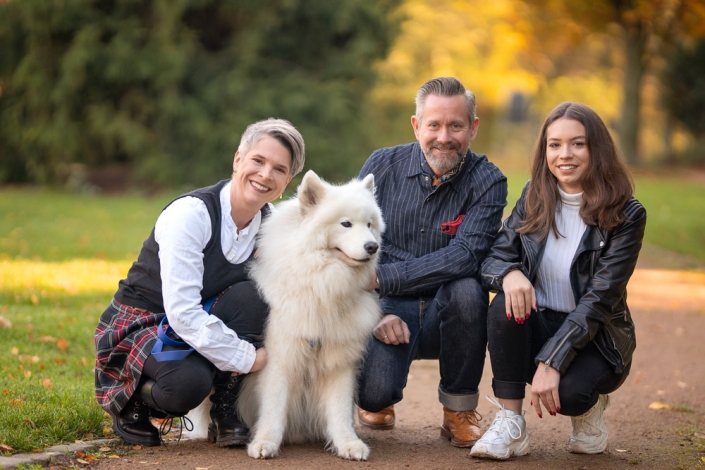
pixel 560 267
pixel 187 319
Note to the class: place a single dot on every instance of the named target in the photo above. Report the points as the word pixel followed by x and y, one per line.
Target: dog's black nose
pixel 371 247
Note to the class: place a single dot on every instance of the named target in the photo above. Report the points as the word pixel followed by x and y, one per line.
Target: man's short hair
pixel 445 86
pixel 284 132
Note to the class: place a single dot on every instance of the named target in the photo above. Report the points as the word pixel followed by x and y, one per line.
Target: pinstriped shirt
pixel 417 256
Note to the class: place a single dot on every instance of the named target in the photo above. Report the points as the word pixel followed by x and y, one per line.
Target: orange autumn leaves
pixel 27 362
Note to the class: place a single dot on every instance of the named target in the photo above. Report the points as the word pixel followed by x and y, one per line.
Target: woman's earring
pixel 234 173
pixel 280 196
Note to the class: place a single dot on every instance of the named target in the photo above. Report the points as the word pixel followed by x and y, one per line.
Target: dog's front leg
pixel 274 395
pixel 337 395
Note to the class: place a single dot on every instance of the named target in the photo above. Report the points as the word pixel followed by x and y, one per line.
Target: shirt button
pixel 602 243
pixel 423 230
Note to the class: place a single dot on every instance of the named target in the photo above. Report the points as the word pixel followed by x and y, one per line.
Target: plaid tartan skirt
pixel 124 338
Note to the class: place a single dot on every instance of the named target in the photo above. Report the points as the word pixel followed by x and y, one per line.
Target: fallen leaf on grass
pixel 62 344
pixel 699 435
pixel 4 322
pixel 29 423
pixel 38 451
pixel 657 405
pixel 47 383
pixel 136 447
pixel 14 351
pixel 59 360
pixel 113 456
pixel 47 339
pixel 5 448
pixel 15 403
pixel 105 449
pixel 84 462
pixel 34 299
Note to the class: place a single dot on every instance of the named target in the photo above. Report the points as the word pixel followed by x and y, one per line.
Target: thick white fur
pixel 313 268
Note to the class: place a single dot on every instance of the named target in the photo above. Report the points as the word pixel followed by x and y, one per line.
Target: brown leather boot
pixel 461 427
pixel 383 419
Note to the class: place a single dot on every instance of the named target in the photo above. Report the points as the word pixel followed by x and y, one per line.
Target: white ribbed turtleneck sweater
pixel 553 280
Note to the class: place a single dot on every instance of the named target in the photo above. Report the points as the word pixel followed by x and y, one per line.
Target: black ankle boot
pixel 133 424
pixel 226 429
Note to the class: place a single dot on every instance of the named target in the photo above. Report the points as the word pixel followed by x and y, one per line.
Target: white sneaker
pixel 505 438
pixel 589 429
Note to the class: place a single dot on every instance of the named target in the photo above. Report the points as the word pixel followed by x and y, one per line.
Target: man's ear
pixel 415 123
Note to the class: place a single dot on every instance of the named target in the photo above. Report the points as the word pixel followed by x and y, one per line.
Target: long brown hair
pixel 607 185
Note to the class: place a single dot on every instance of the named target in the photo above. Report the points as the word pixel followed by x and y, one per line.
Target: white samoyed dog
pixel 316 256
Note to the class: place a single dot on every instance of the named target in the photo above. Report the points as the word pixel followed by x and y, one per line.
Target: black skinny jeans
pixel 182 385
pixel 513 348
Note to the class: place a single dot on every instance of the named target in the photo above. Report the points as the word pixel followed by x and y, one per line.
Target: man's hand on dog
pixel 392 330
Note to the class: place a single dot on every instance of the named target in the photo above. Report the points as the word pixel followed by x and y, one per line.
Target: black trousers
pixel 182 385
pixel 513 348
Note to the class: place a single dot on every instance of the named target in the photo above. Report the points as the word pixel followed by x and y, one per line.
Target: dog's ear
pixel 369 182
pixel 310 192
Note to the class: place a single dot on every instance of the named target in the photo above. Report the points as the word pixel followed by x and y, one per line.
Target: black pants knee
pixel 513 348
pixel 182 385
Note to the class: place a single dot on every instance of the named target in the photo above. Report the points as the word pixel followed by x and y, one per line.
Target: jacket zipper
pixel 565 338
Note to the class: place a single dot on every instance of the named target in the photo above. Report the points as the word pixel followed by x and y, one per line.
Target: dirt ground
pixel 669 369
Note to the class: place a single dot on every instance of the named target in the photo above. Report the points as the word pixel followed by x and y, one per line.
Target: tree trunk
pixel 635 36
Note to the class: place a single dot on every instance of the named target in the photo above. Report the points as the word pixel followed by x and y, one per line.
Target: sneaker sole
pixel 483 452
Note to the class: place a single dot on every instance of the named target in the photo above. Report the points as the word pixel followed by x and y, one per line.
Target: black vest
pixel 143 286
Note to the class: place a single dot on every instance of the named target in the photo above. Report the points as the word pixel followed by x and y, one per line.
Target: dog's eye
pixel 346 224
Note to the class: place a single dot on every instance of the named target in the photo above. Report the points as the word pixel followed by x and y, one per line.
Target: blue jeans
pixel 450 327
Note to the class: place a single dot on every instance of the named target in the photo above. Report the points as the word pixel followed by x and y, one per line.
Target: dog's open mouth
pixel 344 257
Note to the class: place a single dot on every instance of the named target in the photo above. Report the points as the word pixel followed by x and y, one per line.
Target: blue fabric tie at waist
pixel 163 338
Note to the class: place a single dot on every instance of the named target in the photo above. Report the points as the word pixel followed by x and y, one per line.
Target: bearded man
pixel 443 205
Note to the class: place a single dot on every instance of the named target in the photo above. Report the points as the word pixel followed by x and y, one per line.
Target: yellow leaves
pixel 14 351
pixel 72 277
pixel 657 405
pixel 16 402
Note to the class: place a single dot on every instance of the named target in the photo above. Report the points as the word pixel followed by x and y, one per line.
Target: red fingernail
pixel 540 415
pixel 532 403
pixel 509 317
pixel 558 409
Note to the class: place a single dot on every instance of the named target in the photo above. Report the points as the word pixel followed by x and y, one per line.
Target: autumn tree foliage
pixel 166 87
pixel 645 32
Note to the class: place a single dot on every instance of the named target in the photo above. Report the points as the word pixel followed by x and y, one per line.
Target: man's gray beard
pixel 443 164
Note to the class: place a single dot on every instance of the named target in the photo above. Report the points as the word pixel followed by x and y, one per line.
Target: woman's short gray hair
pixel 284 132
pixel 445 86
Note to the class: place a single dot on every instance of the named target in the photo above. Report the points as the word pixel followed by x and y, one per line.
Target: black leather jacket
pixel 601 268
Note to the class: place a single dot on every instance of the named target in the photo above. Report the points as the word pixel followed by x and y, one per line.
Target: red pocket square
pixel 451 228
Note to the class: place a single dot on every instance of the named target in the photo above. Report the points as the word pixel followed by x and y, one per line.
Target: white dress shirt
pixel 182 231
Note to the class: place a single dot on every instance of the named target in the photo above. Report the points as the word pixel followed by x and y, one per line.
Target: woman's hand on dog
pixel 260 360
pixel 392 330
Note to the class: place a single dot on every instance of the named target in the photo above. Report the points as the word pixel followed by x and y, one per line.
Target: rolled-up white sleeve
pixel 182 231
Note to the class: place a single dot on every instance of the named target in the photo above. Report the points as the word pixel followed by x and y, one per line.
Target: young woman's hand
pixel 544 389
pixel 519 296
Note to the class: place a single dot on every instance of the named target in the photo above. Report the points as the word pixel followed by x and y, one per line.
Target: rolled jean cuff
pixel 458 402
pixel 508 390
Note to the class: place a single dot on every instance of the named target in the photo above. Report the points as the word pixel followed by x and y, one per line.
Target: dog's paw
pixel 354 450
pixel 260 449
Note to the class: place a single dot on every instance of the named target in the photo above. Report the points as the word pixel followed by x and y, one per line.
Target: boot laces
pixel 469 416
pixel 167 423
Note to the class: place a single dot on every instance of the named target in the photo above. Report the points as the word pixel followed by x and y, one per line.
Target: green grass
pixel 61 256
